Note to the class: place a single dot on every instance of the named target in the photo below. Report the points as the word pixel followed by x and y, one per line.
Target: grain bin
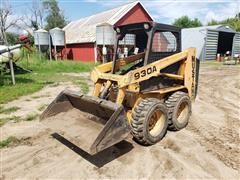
pixel 105 34
pixel 57 37
pixel 105 39
pixel 41 40
pixel 58 42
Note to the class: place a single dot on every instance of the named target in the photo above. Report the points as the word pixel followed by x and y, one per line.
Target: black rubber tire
pixel 173 103
pixel 140 121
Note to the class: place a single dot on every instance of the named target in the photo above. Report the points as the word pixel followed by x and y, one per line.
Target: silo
pixel 105 39
pixel 58 42
pixel 105 35
pixel 41 39
pixel 57 36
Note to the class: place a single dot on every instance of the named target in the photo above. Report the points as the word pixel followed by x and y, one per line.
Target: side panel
pixel 211 45
pixel 194 37
pixel 236 44
pixel 196 76
pixel 81 52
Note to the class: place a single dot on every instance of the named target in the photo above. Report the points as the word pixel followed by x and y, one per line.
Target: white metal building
pixel 211 40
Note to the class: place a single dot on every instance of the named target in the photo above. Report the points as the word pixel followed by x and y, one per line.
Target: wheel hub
pixel 156 122
pixel 182 112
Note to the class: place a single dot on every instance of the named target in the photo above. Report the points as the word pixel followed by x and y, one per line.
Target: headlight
pixel 146 26
pixel 118 30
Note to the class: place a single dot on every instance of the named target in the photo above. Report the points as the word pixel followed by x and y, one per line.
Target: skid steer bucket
pixel 91 123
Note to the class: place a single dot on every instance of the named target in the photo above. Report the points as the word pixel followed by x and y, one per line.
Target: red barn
pixel 81 34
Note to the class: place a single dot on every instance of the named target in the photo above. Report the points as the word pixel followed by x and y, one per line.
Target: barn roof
pixel 84 29
pixel 220 27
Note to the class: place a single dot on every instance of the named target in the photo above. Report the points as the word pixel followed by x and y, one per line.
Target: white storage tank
pixel 105 34
pixel 41 39
pixel 57 36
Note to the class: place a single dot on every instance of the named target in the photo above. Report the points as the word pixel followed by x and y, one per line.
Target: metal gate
pixel 211 45
pixel 236 44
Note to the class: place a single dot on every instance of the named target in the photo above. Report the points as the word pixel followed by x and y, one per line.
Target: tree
pixel 36 11
pixel 238 16
pixel 55 17
pixel 34 17
pixel 233 22
pixel 6 21
pixel 186 22
pixel 12 38
pixel 37 15
pixel 212 22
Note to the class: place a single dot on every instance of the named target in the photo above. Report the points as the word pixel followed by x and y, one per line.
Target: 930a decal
pixel 145 72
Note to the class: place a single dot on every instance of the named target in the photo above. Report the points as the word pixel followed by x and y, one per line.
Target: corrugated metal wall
pixel 194 37
pixel 236 44
pixel 211 45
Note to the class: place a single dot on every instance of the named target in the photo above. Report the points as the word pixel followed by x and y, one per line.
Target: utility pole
pixel 9 59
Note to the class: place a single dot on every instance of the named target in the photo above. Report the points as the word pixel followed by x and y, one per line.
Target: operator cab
pixel 155 39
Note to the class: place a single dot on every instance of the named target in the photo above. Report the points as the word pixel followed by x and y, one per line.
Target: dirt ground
pixel 207 148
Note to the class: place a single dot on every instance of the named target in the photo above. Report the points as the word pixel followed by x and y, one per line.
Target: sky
pixel 163 11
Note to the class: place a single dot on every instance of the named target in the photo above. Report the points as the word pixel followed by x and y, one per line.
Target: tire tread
pixel 138 116
pixel 171 103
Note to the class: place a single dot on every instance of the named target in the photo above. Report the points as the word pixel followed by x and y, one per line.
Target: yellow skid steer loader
pixel 145 90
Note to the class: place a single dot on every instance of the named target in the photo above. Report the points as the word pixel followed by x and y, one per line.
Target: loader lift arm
pixel 131 80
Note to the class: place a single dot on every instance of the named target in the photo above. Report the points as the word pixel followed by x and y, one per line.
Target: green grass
pixel 44 72
pixel 5 120
pixel 8 110
pixel 47 66
pixel 32 82
pixel 23 87
pixel 31 117
pixel 211 63
pixel 83 85
pixel 42 107
pixel 9 141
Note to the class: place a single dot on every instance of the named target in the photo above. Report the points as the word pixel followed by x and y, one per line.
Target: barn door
pixel 211 45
